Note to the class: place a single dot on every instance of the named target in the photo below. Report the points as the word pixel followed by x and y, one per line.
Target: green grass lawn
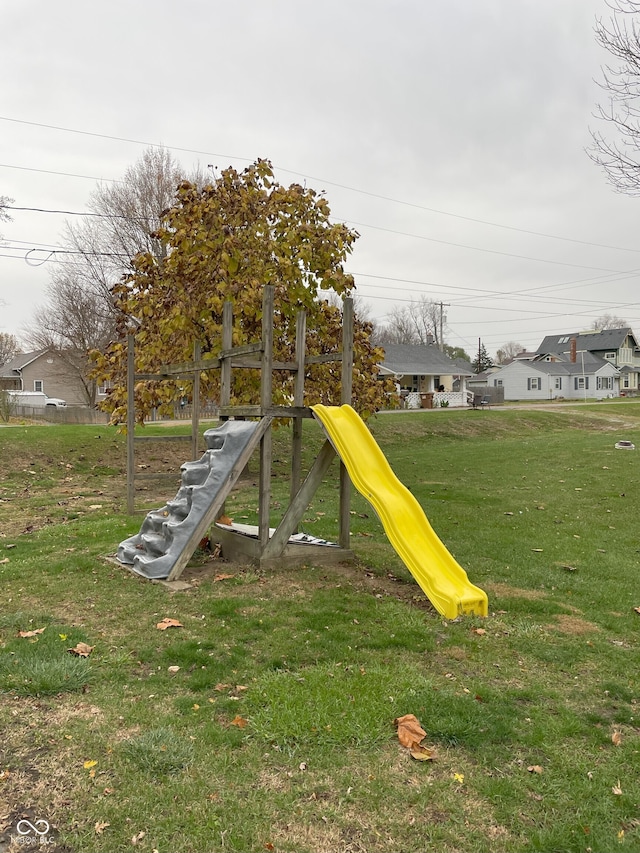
pixel 266 722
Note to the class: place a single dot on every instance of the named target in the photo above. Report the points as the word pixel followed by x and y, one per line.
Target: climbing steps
pixel 169 535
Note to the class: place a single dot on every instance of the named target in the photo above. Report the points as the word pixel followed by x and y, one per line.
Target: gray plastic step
pixel 165 532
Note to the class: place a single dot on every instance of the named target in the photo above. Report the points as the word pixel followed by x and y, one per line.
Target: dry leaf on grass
pixel 535 768
pixel 82 650
pixel 101 826
pixel 616 738
pixel 30 633
pixel 617 789
pixel 409 730
pixel 168 623
pixel 422 753
pixel 222 578
pixel 240 722
pixel 410 735
pixel 138 837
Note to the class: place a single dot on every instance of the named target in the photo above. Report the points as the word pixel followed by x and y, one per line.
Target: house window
pixel 534 383
pixel 38 385
pixel 581 383
pixel 564 340
pixel 604 383
pixel 625 383
pixel 497 383
pixel 558 383
pixel 610 356
pixel 104 389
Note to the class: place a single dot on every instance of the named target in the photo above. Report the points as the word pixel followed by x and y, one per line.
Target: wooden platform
pixel 240 543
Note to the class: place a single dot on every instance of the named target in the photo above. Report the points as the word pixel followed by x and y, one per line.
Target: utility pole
pixel 479 356
pixel 443 305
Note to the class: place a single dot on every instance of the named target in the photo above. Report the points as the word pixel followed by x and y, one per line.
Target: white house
pixel 423 373
pixel 588 377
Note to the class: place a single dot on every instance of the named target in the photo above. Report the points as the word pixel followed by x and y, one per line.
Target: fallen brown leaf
pixel 82 650
pixel 240 722
pixel 222 577
pixel 410 731
pixel 101 826
pixel 616 738
pixel 30 633
pixel 479 631
pixel 535 768
pixel 617 789
pixel 168 623
pixel 422 753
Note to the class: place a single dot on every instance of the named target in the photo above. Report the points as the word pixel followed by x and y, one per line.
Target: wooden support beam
pixel 195 403
pixel 239 352
pixel 131 422
pixel 324 358
pixel 298 402
pixel 345 397
pixel 297 507
pixel 214 510
pixel 266 400
pixel 227 340
pixel 270 411
pixel 188 367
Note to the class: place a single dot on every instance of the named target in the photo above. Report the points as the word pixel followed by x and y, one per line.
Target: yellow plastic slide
pixel 440 577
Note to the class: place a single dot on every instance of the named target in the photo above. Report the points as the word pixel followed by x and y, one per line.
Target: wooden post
pixel 347 387
pixel 298 401
pixel 266 381
pixel 227 343
pixel 195 402
pixel 300 502
pixel 131 422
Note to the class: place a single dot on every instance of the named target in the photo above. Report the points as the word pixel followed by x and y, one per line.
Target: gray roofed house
pixel 615 346
pixel 420 371
pixel 549 378
pixel 46 370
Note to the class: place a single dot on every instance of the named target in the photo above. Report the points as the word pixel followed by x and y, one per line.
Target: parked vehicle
pixel 37 399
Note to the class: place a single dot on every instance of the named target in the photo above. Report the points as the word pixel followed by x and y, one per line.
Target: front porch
pixel 438 399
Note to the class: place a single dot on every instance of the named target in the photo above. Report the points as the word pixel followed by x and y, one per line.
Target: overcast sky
pixel 444 131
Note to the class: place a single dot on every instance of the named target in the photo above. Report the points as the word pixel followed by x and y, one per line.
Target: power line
pixel 298 172
pixel 80 213
pixel 61 174
pixel 479 249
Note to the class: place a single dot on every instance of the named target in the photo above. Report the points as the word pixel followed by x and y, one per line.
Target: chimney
pixel 573 350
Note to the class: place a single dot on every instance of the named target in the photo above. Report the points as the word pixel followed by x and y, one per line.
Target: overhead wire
pixel 472 293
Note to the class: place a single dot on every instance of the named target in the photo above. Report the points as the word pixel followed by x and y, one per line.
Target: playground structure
pixel 169 536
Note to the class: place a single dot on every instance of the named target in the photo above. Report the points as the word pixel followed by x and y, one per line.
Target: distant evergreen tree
pixel 481 361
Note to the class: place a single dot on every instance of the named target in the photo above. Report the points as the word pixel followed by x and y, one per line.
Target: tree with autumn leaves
pixel 225 242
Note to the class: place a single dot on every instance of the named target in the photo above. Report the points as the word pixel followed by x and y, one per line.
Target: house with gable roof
pixel 47 371
pixel 586 365
pixel 420 371
pixel 618 347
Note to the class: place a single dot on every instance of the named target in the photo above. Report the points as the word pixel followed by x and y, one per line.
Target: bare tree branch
pixel 620 158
